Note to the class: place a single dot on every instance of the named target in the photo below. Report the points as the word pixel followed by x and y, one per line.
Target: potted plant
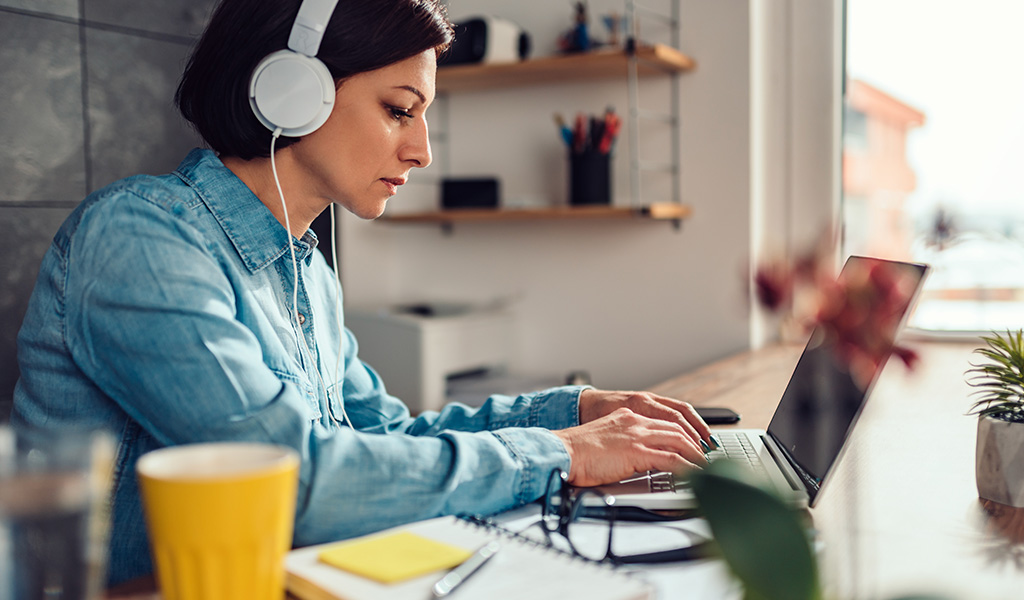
pixel 999 383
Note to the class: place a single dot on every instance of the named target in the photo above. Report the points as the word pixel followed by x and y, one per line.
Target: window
pixel 933 142
pixel 855 129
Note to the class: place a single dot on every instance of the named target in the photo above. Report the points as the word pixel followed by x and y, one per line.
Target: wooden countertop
pixel 750 383
pixel 901 514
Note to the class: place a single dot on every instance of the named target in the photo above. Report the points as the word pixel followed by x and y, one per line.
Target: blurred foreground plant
pixel 760 538
pixel 765 542
pixel 855 310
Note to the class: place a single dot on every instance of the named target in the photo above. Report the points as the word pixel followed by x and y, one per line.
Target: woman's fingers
pixel 622 443
pixel 675 411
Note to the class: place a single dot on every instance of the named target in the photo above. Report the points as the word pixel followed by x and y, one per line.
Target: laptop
pixel 811 425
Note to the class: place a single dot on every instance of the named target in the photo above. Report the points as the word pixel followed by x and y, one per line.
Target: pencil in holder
pixel 590 177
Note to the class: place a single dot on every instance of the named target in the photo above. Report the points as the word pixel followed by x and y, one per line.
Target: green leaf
pixel 998 383
pixel 758 535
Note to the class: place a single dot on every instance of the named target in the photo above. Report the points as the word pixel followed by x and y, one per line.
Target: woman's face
pixel 376 134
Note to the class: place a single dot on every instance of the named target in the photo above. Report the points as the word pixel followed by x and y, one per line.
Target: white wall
pixel 631 302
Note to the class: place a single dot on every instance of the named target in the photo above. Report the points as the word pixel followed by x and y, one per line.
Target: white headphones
pixel 291 89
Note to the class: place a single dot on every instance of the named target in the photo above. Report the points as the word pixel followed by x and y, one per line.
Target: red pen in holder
pixel 590 156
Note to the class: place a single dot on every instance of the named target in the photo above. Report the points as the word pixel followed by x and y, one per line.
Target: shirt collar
pixel 257 235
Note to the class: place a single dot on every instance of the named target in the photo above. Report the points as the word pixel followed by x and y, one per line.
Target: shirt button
pixel 302 318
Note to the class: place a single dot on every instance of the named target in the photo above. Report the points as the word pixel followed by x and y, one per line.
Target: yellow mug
pixel 220 518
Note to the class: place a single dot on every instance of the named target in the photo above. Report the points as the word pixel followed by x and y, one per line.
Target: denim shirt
pixel 162 314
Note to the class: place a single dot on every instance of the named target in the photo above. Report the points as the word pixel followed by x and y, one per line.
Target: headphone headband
pixel 310 24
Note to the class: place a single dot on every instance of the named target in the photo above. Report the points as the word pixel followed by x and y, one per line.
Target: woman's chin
pixel 368 212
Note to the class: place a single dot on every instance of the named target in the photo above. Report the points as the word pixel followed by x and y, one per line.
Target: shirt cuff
pixel 556 408
pixel 537 451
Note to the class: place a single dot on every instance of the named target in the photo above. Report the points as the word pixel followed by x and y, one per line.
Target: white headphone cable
pixel 337 301
pixel 337 315
pixel 299 337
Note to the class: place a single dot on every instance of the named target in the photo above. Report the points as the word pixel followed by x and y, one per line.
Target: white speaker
pixel 291 89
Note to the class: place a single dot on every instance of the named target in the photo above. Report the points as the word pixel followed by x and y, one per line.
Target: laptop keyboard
pixel 737 447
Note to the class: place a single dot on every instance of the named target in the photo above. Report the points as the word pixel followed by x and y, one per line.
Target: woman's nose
pixel 417 147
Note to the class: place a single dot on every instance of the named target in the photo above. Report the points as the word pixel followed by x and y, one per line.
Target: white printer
pixel 416 348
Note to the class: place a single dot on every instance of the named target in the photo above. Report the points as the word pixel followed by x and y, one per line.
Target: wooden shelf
pixel 666 211
pixel 597 64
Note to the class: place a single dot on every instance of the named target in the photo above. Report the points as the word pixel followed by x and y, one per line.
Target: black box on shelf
pixel 469 193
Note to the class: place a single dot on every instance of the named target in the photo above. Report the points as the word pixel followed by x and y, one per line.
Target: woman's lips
pixel 393 183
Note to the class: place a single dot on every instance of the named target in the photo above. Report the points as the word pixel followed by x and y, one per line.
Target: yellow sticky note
pixel 393 557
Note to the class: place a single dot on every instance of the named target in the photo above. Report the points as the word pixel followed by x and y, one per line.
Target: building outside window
pixel 933 151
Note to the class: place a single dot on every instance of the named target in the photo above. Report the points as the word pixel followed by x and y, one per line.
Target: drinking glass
pixel 54 514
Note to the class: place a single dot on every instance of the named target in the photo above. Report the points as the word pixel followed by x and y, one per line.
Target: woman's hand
pixel 621 433
pixel 595 404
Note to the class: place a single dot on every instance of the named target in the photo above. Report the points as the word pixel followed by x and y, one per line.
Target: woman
pixel 169 309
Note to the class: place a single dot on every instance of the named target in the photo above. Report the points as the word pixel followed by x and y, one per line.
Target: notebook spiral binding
pixel 498 529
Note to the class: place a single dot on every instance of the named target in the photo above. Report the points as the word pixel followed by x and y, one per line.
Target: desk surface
pixel 901 513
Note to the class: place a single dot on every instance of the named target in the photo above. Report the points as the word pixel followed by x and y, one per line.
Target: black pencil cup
pixel 589 177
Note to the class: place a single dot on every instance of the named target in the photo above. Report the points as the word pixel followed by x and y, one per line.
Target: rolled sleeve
pixel 355 483
pixel 538 452
pixel 555 408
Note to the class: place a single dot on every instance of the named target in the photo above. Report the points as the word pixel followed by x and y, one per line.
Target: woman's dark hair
pixel 363 35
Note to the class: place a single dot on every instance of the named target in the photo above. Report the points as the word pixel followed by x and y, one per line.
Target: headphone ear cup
pixel 291 91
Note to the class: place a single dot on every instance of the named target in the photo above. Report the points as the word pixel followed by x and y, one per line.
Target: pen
pixel 564 130
pixel 462 572
pixel 612 123
pixel 596 131
pixel 580 133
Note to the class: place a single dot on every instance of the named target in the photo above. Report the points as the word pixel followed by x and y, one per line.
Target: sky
pixel 959 62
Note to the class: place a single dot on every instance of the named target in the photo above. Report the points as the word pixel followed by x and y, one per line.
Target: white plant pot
pixel 999 461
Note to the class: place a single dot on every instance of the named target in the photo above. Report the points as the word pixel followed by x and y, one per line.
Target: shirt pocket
pixel 304 388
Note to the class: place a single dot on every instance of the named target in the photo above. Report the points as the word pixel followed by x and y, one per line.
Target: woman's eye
pixel 399 113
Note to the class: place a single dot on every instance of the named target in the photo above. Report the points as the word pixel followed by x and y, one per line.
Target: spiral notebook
pixel 523 568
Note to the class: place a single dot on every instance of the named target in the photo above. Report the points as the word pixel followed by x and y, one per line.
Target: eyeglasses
pixel 585 519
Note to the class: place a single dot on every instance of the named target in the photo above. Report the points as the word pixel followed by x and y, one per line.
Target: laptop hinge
pixel 798 478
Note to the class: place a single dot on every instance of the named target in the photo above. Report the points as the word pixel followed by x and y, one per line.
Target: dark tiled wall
pixel 87 99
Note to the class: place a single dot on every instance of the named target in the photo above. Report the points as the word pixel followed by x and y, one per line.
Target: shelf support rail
pixel 633 91
pixel 633 11
pixel 676 111
pixel 672 20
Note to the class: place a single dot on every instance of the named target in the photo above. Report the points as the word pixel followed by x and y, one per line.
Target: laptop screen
pixel 833 377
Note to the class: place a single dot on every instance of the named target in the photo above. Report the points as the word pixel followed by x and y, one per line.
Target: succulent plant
pixel 999 381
